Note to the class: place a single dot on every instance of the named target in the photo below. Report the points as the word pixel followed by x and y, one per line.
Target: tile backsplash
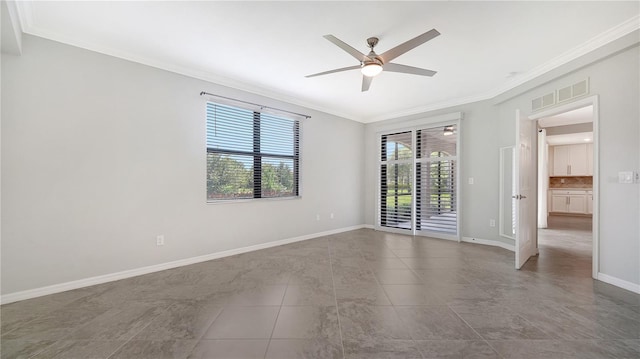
pixel 571 182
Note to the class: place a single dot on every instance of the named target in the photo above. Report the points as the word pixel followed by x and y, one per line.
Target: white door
pixel 525 191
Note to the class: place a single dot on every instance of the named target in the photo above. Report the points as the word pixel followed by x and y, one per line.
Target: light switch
pixel 625 177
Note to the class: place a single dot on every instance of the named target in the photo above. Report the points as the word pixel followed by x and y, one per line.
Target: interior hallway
pixel 358 294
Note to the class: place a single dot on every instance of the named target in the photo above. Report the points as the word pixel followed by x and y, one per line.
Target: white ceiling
pixel 268 47
pixel 581 115
pixel 570 138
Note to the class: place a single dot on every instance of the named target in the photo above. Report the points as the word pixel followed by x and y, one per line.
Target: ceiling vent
pixel 543 101
pixel 561 95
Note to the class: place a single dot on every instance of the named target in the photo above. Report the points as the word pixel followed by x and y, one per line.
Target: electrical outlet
pixel 470 180
pixel 160 240
pixel 317 217
pixel 331 216
pixel 492 223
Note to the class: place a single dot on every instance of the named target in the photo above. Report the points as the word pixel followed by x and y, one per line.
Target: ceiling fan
pixel 372 64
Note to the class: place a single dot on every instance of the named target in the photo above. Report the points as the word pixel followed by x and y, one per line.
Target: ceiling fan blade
pixel 350 50
pixel 406 46
pixel 336 70
pixel 408 70
pixel 366 82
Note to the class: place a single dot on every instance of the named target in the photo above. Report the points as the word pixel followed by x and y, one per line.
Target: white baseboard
pixel 489 242
pixel 86 282
pixel 368 226
pixel 619 282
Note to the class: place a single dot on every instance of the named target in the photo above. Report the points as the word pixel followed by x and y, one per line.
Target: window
pixel 251 154
pixel 418 180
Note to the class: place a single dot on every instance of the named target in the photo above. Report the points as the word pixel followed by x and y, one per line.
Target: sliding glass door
pixel 419 181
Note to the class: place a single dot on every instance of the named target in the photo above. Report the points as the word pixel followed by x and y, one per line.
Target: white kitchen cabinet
pixel 569 201
pixel 571 160
pixel 577 203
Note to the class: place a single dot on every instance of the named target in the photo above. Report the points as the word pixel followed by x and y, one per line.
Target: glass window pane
pixel 437 142
pixel 277 177
pixel 229 176
pixel 276 135
pixel 397 146
pixel 229 128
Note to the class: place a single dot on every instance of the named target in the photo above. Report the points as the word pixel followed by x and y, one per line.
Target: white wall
pixel 616 81
pixel 489 125
pixel 479 159
pixel 100 155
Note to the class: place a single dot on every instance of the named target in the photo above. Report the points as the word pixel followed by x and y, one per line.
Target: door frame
pixel 587 101
pixel 432 122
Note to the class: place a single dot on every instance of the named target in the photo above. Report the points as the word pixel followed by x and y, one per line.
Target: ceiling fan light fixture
pixel 371 69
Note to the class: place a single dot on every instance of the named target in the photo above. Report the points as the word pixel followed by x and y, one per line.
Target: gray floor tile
pixel 118 323
pixel 280 302
pixel 434 323
pixel 578 349
pixel 309 295
pixel 365 294
pixel 262 295
pixel 370 324
pixel 80 349
pixel 155 349
pixel 243 323
pixel 454 349
pixel 381 349
pixel 412 294
pixel 230 349
pixel 317 348
pixel 307 322
pixel 397 276
pixel 502 325
pixel 19 348
pixel 622 321
pixel 183 320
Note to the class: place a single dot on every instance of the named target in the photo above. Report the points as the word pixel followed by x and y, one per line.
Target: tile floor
pixel 359 294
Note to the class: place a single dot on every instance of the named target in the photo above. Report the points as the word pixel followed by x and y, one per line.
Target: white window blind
pixel 251 154
pixel 418 180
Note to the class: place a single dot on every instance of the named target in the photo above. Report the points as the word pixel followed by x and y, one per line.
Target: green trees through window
pixel 251 154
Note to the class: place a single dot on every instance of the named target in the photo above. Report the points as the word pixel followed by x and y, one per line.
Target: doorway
pixel 565 192
pixel 567 239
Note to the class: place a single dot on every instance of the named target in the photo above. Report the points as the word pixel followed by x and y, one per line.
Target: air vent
pixel 544 101
pixel 561 95
pixel 576 90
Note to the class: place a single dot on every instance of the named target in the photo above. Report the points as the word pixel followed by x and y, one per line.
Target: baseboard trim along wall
pixel 490 242
pixel 81 283
pixel 619 282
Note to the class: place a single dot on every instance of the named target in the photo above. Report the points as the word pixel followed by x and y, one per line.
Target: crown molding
pixel 613 34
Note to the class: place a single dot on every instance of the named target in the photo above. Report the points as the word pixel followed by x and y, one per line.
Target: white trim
pixel 618 282
pixel 81 283
pixel 490 242
pixel 418 123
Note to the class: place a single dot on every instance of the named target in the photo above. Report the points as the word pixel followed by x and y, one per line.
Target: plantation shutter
pixel 436 180
pixel 396 178
pixel 251 154
pixel 419 180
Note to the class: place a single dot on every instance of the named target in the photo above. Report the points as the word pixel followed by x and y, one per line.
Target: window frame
pixel 414 126
pixel 258 155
